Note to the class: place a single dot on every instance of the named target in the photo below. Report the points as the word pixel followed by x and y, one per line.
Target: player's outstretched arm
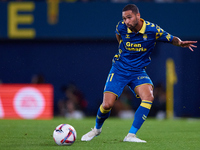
pixel 177 42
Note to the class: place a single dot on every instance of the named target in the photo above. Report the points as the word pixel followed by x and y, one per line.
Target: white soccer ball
pixel 64 134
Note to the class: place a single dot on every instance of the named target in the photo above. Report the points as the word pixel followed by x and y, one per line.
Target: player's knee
pixel 108 101
pixel 107 105
pixel 149 97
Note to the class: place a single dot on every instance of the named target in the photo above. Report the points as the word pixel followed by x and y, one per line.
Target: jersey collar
pixel 142 30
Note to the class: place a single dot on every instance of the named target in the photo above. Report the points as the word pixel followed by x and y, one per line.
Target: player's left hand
pixel 188 44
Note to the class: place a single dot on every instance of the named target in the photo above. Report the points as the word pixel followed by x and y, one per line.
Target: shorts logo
pixel 142 77
pixel 29 103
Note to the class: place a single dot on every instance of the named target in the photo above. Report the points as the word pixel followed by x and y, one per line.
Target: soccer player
pixel 137 39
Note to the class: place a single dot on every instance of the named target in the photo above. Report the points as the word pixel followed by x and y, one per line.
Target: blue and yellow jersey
pixel 135 48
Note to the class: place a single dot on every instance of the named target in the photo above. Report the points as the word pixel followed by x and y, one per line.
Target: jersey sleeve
pixel 117 31
pixel 162 35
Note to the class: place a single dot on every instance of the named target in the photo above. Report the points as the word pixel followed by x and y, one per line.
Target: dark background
pixel 80 46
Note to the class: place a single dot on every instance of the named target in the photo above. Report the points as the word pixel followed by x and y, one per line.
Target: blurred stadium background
pixel 65 42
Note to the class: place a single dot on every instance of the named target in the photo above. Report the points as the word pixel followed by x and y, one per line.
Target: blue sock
pixel 102 115
pixel 140 115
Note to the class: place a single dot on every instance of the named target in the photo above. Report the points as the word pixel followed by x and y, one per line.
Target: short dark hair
pixel 131 7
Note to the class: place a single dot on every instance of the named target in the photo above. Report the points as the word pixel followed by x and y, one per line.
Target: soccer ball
pixel 64 134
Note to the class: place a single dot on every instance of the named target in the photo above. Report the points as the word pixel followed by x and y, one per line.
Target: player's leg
pixel 145 92
pixel 105 109
pixel 102 114
pixel 114 86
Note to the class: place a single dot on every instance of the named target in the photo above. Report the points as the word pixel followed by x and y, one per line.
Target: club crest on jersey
pixel 127 36
pixel 145 37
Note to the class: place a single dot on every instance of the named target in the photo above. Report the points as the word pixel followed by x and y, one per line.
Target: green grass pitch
pixel 180 134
